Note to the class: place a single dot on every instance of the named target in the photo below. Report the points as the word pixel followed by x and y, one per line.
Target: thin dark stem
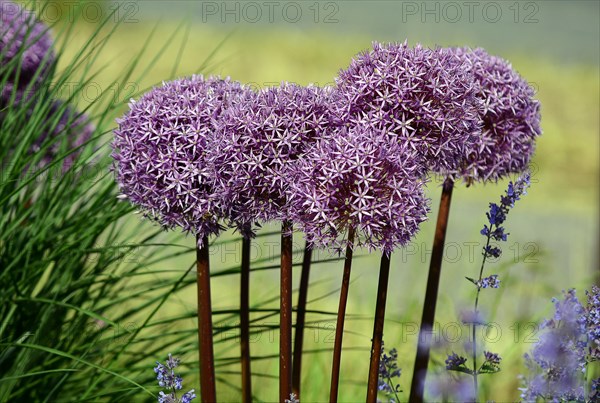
pixel 341 316
pixel 300 320
pixel 384 274
pixel 285 318
pixel 431 294
pixel 245 322
pixel 475 316
pixel 205 333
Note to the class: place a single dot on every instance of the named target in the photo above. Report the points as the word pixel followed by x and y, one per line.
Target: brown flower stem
pixel 341 316
pixel 384 275
pixel 205 333
pixel 431 294
pixel 300 320
pixel 245 321
pixel 285 317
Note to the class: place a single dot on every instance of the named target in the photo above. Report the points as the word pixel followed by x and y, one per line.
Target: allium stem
pixel 245 321
pixel 285 318
pixel 341 316
pixel 205 333
pixel 300 320
pixel 384 274
pixel 431 294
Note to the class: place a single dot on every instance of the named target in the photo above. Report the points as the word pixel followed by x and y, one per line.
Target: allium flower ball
pixel 362 180
pixel 261 143
pixel 22 35
pixel 424 96
pixel 160 151
pixel 509 114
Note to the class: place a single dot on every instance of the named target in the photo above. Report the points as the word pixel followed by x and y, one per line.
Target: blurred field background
pixel 553 242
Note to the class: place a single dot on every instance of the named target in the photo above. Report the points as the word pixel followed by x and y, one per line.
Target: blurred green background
pixel 553 242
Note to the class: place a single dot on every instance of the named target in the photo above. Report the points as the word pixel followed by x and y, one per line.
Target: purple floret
pixel 161 152
pixel 426 97
pixel 510 117
pixel 364 180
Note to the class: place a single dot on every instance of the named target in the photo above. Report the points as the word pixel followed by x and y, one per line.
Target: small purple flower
pixel 492 251
pixel 388 372
pixel 489 282
pixel 162 147
pixel 360 180
pixel 492 359
pixel 498 212
pixel 425 97
pixel 455 361
pixel 168 379
pixel 259 144
pixel 557 363
pixel 509 114
pixel 188 396
pixel 23 36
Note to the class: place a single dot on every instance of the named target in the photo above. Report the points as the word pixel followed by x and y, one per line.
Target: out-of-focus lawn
pixel 554 229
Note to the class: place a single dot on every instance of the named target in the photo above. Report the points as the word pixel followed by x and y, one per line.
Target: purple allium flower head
pixel 557 362
pixel 510 117
pixel 426 97
pixel 362 180
pixel 161 152
pixel 261 141
pixel 23 36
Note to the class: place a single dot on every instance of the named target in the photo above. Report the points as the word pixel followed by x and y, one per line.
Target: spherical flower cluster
pixel 361 181
pixel 160 152
pixel 510 117
pixel 259 144
pixel 426 97
pixel 22 36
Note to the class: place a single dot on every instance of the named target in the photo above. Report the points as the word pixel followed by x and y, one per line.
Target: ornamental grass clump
pixel 25 52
